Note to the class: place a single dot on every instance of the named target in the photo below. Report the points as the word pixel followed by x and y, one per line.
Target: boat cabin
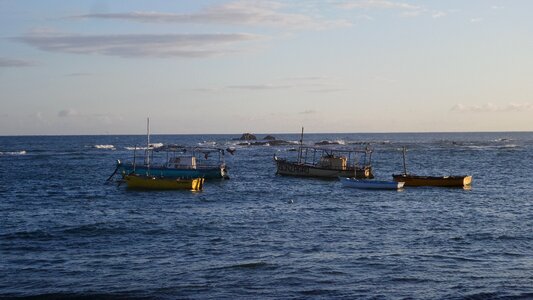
pixel 182 162
pixel 333 162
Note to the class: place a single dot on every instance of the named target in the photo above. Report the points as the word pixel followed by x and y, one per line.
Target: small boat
pixel 163 183
pixel 326 162
pixel 370 184
pixel 442 181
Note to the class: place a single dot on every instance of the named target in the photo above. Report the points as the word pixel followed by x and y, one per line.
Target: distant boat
pixel 370 184
pixel 163 183
pixel 442 181
pixel 326 162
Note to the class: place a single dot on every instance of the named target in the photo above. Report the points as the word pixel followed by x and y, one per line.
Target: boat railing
pixel 160 165
pixel 347 158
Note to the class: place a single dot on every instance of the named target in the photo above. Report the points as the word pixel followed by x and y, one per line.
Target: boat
pixel 443 181
pixel 163 183
pixel 440 181
pixel 326 162
pixel 178 161
pixel 370 184
pixel 175 161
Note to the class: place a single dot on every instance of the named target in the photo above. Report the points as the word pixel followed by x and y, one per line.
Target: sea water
pixel 66 234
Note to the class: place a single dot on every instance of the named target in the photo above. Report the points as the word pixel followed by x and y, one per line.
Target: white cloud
pixel 378 4
pixel 319 84
pixel 252 13
pixel 476 20
pixel 407 10
pixel 438 14
pixel 138 45
pixel 489 107
pixel 259 87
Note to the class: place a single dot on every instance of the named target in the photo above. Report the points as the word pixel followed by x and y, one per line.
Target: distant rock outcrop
pixel 269 138
pixel 322 143
pixel 266 143
pixel 247 137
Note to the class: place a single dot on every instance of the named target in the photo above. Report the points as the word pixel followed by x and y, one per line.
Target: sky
pixel 210 67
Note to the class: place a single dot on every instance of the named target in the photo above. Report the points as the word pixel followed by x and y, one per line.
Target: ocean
pixel 66 234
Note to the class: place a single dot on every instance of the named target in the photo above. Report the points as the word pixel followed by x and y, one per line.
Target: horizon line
pixel 283 133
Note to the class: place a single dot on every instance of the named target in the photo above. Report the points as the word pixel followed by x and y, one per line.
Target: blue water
pixel 64 233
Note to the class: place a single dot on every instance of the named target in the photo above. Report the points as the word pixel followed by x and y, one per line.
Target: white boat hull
pixel 371 184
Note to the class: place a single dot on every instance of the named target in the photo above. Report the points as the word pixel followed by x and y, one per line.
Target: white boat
pixel 370 184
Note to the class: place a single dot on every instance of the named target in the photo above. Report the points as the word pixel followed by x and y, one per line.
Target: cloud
pixel 438 14
pixel 489 107
pixel 65 113
pixel 78 74
pixel 407 10
pixel 319 84
pixel 378 4
pixel 476 20
pixel 15 63
pixel 259 87
pixel 308 112
pixel 252 13
pixel 138 45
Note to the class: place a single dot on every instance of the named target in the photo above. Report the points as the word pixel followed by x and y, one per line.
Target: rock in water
pixel 247 137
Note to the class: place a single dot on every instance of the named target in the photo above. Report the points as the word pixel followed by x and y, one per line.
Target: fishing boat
pixel 443 181
pixel 440 181
pixel 175 161
pixel 326 162
pixel 163 183
pixel 178 161
pixel 370 184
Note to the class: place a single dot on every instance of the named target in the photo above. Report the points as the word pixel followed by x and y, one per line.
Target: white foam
pixel 23 152
pixel 110 147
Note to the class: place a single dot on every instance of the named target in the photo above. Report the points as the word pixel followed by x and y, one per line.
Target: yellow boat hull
pixel 445 181
pixel 162 183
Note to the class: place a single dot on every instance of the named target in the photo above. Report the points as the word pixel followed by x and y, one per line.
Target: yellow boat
pixel 444 181
pixel 464 181
pixel 163 183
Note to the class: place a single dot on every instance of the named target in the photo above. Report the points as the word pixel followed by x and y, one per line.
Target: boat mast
pixel 301 143
pixel 147 157
pixel 404 167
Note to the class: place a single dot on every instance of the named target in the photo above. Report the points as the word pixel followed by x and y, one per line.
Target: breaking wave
pixel 108 147
pixel 23 152
pixel 152 146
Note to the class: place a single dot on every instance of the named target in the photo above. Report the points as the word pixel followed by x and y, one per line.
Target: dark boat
pixel 442 181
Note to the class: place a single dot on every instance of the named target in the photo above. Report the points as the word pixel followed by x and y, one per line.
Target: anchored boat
pixel 163 183
pixel 326 162
pixel 178 161
pixel 442 181
pixel 175 161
